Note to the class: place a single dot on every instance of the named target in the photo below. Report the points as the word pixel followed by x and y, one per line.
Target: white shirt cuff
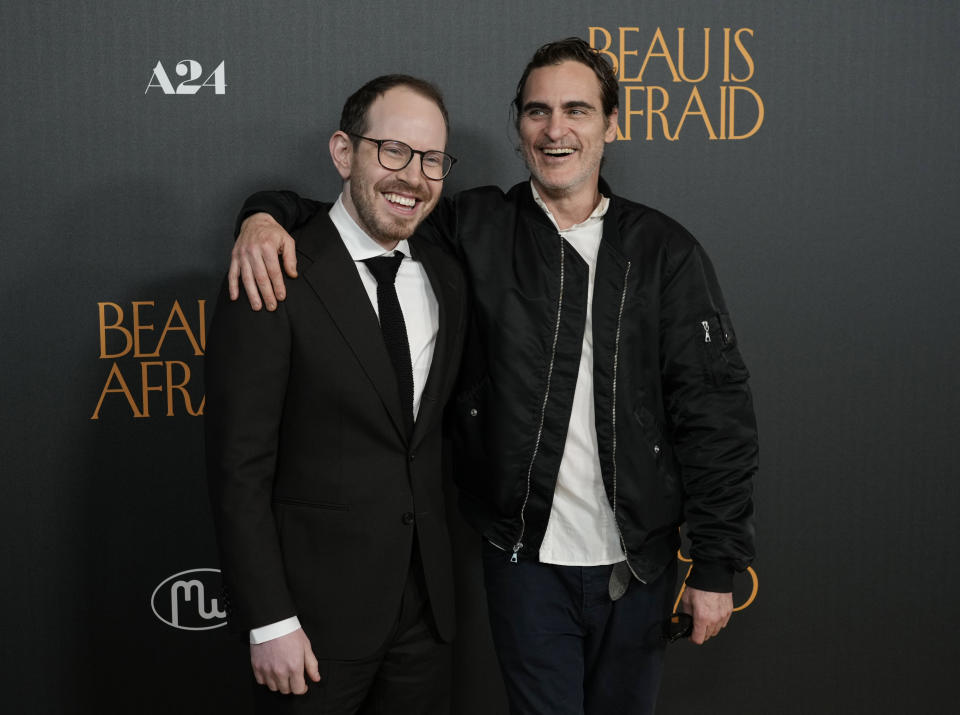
pixel 274 630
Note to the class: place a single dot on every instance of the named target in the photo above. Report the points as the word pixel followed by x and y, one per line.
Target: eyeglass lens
pixel 395 155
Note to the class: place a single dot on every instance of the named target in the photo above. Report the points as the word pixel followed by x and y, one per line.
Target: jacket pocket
pixel 310 504
pixel 722 360
pixel 659 449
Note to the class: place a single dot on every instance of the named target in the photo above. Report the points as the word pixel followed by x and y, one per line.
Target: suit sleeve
pixel 246 372
pixel 710 408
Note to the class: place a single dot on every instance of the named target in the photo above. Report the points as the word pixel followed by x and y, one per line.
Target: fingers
pixel 704 629
pixel 255 262
pixel 279 664
pixel 250 285
pixel 258 277
pixel 311 665
pixel 298 686
pixel 271 264
pixel 233 277
pixel 276 679
pixel 711 612
pixel 261 275
pixel 289 253
pixel 699 634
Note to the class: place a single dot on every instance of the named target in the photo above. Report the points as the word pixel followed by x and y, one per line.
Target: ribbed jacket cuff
pixel 706 576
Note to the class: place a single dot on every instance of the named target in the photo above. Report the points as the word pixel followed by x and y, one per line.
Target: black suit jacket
pixel 317 491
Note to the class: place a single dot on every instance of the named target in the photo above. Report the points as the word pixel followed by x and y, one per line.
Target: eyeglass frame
pixel 381 142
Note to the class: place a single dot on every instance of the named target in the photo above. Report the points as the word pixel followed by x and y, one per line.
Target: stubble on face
pixel 382 227
pixel 559 184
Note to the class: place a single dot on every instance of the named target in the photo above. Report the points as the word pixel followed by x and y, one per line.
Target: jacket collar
pixel 611 240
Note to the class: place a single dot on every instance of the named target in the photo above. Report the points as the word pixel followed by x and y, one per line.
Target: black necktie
pixel 384 269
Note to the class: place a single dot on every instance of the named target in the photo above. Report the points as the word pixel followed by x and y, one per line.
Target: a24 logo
pixel 192 72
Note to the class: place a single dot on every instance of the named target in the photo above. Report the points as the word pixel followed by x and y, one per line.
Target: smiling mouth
pixel 407 202
pixel 558 151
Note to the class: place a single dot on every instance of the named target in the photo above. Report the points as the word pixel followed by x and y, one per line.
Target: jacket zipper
pixel 543 410
pixel 613 419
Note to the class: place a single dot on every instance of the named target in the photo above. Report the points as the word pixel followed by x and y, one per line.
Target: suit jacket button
pixel 407 518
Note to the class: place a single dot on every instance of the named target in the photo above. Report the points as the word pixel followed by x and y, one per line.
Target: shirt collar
pixel 358 242
pixel 599 211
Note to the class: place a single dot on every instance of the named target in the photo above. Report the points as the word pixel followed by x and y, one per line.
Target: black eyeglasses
pixel 679 625
pixel 396 155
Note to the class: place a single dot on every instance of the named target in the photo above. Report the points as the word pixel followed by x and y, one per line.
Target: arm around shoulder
pixel 263 240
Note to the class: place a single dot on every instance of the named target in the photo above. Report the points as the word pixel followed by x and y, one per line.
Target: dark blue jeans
pixel 565 648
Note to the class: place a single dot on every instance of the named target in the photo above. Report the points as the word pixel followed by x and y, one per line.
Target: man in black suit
pixel 323 433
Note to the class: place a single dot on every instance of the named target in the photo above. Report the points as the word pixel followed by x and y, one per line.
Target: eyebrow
pixel 574 104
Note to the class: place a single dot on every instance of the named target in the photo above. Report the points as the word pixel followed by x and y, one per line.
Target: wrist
pixel 711 576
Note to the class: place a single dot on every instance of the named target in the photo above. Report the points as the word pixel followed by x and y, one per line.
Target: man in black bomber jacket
pixel 603 403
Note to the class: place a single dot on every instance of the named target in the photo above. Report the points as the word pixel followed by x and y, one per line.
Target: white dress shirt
pixel 581 530
pixel 421 314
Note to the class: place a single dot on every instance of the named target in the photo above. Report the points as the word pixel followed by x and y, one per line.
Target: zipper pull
pixel 513 556
pixel 706 331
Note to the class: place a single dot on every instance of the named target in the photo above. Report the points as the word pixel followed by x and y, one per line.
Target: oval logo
pixel 189 600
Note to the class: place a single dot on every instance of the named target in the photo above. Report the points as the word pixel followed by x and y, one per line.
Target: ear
pixel 341 151
pixel 611 133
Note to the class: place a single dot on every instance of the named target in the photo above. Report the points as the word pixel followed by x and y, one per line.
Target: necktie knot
pixel 384 268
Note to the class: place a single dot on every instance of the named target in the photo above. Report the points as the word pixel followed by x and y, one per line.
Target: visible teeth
pixel 402 200
pixel 559 151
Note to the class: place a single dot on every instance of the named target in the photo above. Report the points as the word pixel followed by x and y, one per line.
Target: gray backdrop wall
pixel 811 147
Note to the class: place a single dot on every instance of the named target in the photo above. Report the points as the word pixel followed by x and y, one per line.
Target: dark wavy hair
pixel 576 50
pixel 353 118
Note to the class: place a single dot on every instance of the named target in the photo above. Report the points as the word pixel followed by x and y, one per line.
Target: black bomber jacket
pixel 674 414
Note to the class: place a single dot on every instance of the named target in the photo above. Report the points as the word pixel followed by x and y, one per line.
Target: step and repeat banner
pixel 811 147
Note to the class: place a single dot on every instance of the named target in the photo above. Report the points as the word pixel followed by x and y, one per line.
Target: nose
pixel 412 174
pixel 556 126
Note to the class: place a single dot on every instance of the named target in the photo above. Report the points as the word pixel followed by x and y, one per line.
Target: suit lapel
pixel 333 277
pixel 450 302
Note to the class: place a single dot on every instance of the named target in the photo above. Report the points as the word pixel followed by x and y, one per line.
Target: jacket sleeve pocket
pixel 722 360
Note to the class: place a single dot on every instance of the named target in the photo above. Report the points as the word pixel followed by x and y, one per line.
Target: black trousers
pixel 410 674
pixel 565 648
